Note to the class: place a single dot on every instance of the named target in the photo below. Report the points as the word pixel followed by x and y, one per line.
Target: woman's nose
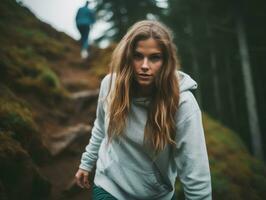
pixel 145 65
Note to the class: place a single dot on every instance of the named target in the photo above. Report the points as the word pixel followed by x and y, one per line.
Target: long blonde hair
pixel 160 126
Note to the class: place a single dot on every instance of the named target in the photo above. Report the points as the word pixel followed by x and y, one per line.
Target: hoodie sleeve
pixel 90 155
pixel 191 158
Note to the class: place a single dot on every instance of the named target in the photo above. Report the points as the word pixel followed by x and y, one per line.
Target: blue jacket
pixel 126 169
pixel 85 16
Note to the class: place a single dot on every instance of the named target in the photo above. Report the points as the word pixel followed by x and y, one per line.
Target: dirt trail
pixel 67 130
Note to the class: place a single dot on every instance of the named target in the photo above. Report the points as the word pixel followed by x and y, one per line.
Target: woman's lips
pixel 144 76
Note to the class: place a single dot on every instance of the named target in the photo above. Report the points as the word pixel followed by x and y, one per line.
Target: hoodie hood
pixel 186 82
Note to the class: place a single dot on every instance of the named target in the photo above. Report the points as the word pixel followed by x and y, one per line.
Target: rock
pixel 85 95
pixel 59 142
pixel 83 98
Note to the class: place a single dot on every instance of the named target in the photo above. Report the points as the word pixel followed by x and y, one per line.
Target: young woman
pixel 148 130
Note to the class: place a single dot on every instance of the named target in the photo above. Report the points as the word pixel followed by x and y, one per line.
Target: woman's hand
pixel 82 178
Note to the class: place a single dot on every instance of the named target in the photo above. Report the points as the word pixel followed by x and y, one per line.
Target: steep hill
pixel 47 106
pixel 39 69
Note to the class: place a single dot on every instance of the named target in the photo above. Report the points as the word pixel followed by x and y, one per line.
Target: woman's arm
pixel 90 155
pixel 192 158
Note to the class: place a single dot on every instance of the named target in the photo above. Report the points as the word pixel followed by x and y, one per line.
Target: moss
pixel 24 74
pixel 45 87
pixel 42 43
pixel 17 121
pixel 8 69
pixel 50 79
pixel 220 185
pixel 31 33
pixel 28 51
pixel 15 116
pixel 7 93
pixel 19 176
pixel 52 49
pixel 258 182
pixel 18 62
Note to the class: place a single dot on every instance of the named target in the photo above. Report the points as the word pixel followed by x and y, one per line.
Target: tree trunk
pixel 195 62
pixel 249 88
pixel 213 62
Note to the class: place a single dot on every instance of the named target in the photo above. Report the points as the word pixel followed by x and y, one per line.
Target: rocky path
pixel 67 138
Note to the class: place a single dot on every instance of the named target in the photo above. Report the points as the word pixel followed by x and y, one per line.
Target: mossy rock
pixel 17 121
pixel 19 176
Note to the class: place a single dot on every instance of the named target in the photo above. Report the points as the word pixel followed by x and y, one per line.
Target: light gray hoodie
pixel 129 171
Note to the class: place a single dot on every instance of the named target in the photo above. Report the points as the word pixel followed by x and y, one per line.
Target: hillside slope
pixel 39 69
pixel 47 104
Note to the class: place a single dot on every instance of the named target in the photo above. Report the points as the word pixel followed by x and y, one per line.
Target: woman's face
pixel 147 62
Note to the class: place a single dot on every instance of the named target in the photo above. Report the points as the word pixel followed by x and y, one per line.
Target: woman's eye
pixel 155 58
pixel 138 56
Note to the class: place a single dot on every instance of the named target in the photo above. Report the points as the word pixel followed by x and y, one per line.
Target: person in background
pixel 84 19
pixel 148 130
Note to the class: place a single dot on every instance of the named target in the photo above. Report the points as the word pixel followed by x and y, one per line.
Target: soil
pixel 75 77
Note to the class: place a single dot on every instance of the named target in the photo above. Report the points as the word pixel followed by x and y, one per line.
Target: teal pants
pixel 100 194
